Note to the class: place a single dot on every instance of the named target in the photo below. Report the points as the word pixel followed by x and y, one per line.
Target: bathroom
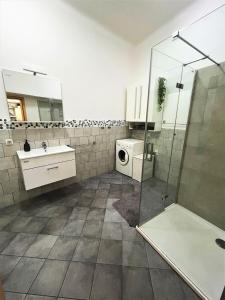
pixel 112 141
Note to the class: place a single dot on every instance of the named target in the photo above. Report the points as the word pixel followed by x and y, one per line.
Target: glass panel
pixel 158 144
pixel 56 110
pixel 44 110
pixel 189 234
pixel 180 126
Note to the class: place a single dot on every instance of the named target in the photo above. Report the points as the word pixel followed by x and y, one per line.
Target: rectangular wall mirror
pixel 32 98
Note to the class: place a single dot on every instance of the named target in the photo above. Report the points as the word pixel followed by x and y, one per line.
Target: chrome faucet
pixel 44 145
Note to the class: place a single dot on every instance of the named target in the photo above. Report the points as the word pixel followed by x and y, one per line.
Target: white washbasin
pixel 41 152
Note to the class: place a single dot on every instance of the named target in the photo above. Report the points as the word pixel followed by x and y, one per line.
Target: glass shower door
pixel 159 186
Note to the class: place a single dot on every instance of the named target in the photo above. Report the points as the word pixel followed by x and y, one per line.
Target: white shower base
pixel 187 243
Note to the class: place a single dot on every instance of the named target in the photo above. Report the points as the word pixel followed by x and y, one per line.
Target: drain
pixel 220 243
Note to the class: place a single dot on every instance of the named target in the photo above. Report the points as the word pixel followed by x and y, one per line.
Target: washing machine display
pixel 123 156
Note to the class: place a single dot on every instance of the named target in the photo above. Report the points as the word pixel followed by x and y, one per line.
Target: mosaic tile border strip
pixel 5 124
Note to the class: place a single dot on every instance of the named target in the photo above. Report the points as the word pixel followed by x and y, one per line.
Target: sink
pixel 41 152
pixel 40 167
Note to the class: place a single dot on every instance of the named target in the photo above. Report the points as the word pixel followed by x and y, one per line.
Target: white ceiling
pixel 133 20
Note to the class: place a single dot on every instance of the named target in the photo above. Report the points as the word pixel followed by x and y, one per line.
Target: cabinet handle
pixel 135 103
pixel 140 102
pixel 52 168
pixel 26 161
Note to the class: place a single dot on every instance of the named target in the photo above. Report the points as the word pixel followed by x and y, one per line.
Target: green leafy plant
pixel 161 92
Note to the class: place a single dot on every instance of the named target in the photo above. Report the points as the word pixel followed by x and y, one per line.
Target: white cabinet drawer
pixel 39 161
pixel 47 174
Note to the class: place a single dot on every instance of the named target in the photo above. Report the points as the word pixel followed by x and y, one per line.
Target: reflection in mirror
pixel 32 98
pixel 34 109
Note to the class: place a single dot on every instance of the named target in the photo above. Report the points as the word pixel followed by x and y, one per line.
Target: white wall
pixel 93 65
pixel 4 113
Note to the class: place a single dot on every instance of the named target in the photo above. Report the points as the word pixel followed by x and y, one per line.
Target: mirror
pixel 32 98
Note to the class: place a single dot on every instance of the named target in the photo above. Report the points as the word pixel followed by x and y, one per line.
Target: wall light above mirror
pixel 32 98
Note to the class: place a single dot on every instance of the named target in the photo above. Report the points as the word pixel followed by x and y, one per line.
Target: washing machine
pixel 125 150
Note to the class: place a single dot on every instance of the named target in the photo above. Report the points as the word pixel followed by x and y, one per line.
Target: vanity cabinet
pixel 41 167
pixel 136 103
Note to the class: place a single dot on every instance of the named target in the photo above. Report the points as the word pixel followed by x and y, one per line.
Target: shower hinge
pixel 164 197
pixel 179 86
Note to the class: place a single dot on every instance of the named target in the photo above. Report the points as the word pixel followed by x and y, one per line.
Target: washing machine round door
pixel 123 156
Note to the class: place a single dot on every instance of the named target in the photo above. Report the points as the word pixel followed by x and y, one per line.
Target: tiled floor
pixel 152 202
pixel 73 244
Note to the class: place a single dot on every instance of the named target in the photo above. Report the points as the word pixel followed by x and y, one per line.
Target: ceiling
pixel 133 20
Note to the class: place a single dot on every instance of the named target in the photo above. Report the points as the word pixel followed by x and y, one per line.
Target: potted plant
pixel 161 92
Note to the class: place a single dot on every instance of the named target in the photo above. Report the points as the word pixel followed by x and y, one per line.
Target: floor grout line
pixel 67 217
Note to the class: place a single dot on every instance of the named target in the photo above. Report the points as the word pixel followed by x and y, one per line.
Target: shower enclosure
pixel 182 208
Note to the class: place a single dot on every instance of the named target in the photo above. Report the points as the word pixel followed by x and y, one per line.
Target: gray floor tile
pixel 65 299
pixel 23 275
pixel 96 214
pixel 110 252
pixel 127 188
pixel 107 283
pixel 11 210
pixel 134 254
pixel 115 187
pixel 188 292
pixel 99 203
pixel 63 212
pixel 130 233
pixel 92 229
pixel 73 228
pixel 137 284
pixel 115 194
pixel 54 226
pixel 84 202
pixel 112 215
pixel 103 186
pixel 36 225
pixel 36 297
pixel 7 264
pixel 166 285
pixel 47 212
pixel 18 224
pixel 50 278
pixel 155 261
pixel 110 202
pixel 30 210
pixel 70 201
pixel 78 281
pixel 112 231
pixel 5 220
pixel 5 239
pixel 86 250
pixel 102 194
pixel 79 213
pixel 14 296
pixel 63 248
pixel 90 184
pixel 116 181
pixel 88 193
pixel 41 246
pixel 19 244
